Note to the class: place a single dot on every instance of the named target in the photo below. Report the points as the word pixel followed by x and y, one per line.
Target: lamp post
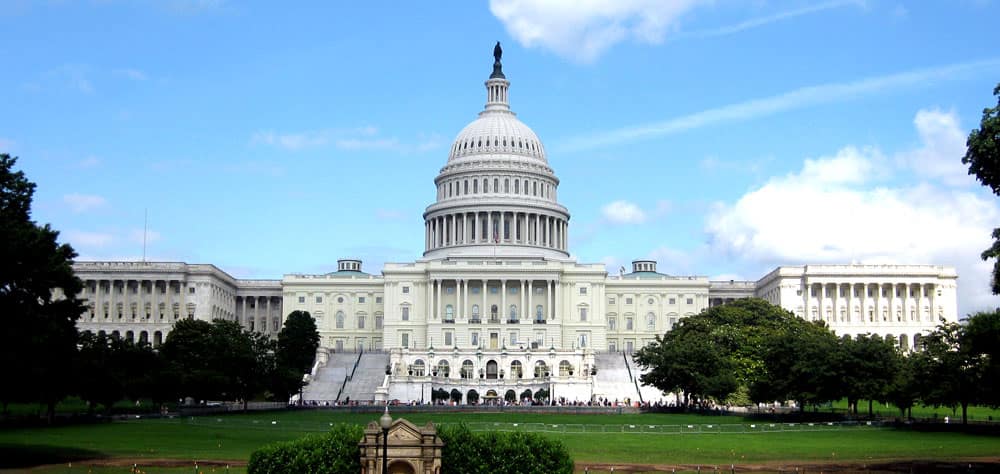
pixel 385 422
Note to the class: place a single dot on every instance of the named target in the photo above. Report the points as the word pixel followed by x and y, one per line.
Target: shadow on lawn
pixel 14 456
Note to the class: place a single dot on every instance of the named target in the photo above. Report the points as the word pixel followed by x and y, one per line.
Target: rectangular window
pixel 449 290
pixel 494 290
pixel 361 322
pixel 628 300
pixel 406 289
pixel 361 299
pixel 378 322
pixel 475 290
pixel 448 336
pixel 583 290
pixel 406 313
pixel 191 290
pixel 474 338
pixel 612 346
pixel 539 290
pixel 611 301
pixel 690 301
pixel 378 300
pixel 513 338
pixel 513 290
pixel 630 346
pixel 629 324
pixel 672 301
pixel 404 339
pixel 319 299
pixel 611 324
pixel 583 340
pixel 583 314
pixel 302 299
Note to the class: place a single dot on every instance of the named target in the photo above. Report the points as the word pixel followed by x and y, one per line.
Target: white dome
pixel 497 132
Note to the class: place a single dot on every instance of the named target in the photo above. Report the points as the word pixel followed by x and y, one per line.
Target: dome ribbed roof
pixel 497 132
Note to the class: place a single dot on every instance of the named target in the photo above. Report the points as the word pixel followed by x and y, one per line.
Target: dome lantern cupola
pixel 496 195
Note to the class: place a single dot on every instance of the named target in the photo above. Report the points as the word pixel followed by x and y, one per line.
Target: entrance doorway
pixel 401 467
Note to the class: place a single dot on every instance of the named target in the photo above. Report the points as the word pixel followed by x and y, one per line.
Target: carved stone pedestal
pixel 412 449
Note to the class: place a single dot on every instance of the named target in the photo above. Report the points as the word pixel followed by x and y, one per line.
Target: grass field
pixel 234 437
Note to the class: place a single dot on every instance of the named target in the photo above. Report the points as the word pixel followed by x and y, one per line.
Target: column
pixel 458 300
pixel 465 300
pixel 502 313
pixel 933 316
pixel 550 288
pixel 531 308
pixel 556 295
pixel 489 226
pixel 476 229
pixel 437 307
pixel 483 312
pixel 428 301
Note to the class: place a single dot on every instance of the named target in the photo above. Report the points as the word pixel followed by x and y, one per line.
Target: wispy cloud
pixel 773 18
pixel 80 238
pixel 623 212
pixel 351 139
pixel 79 203
pixel 131 73
pixel 796 99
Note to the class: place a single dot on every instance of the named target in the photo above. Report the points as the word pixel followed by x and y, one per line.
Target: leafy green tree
pixel 99 381
pixel 295 354
pixel 800 363
pixel 982 331
pixel 38 299
pixel 905 387
pixel 688 360
pixel 982 155
pixel 950 373
pixel 869 365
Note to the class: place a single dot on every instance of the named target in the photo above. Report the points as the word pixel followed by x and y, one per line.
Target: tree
pixel 982 331
pixel 950 373
pixel 38 299
pixel 905 387
pixel 716 353
pixel 800 364
pixel 869 365
pixel 296 352
pixel 98 379
pixel 982 155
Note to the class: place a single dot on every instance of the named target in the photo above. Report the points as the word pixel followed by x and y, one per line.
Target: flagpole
pixel 145 226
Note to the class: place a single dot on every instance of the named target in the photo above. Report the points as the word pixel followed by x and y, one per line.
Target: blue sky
pixel 720 138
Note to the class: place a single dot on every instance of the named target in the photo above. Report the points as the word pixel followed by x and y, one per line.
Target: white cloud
pixel 78 239
pixel 390 214
pixel 623 212
pixel 795 99
pixel 89 161
pixel 943 145
pixel 353 139
pixel 131 73
pixel 773 18
pixel 83 202
pixel 583 29
pixel 836 210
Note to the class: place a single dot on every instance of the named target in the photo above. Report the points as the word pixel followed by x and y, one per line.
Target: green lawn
pixel 976 413
pixel 234 437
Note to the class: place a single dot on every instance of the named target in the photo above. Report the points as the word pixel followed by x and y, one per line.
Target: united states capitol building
pixel 496 304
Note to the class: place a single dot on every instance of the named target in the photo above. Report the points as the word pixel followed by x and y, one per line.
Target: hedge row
pixel 464 452
pixel 335 452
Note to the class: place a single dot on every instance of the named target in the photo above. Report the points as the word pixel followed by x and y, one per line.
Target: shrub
pixel 335 452
pixel 494 452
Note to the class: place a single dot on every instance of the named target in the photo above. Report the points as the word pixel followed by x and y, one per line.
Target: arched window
pixel 513 313
pixel 517 187
pixel 475 186
pixel 493 312
pixel 516 371
pixel 130 336
pixel 565 368
pixel 475 311
pixel 465 187
pixel 449 313
pixel 417 369
pixel 467 369
pixel 541 370
pixel 340 320
pixel 650 321
pixel 538 313
pixel 506 185
pixel 496 184
pixel 443 370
